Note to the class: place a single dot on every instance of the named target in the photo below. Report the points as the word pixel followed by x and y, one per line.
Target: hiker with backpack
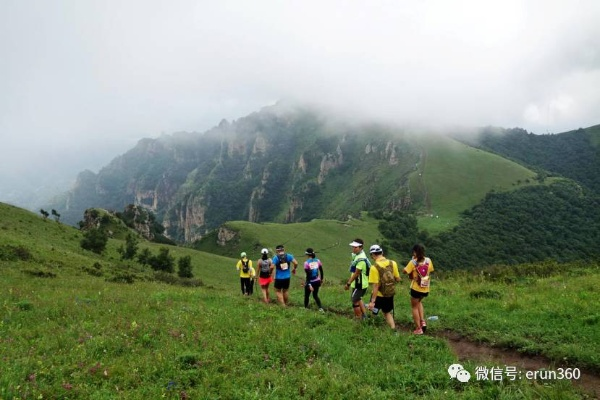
pixel 314 277
pixel 283 275
pixel 419 269
pixel 244 266
pixel 265 274
pixel 358 282
pixel 383 275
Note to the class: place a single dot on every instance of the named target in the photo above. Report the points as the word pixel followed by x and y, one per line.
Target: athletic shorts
pixel 357 294
pixel 282 283
pixel 265 281
pixel 417 295
pixel 385 304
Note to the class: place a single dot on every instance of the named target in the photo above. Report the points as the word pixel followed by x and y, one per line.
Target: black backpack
pixel 282 262
pixel 245 267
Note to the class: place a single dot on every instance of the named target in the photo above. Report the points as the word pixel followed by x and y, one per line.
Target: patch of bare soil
pixel 467 350
pixel 493 356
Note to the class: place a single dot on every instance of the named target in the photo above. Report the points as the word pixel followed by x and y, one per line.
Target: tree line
pixel 537 223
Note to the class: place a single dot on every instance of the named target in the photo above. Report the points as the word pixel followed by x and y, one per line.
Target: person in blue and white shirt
pixel 314 277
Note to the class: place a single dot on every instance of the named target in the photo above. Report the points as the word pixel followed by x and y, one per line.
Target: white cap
pixel 375 249
pixel 243 254
pixel 264 251
pixel 356 244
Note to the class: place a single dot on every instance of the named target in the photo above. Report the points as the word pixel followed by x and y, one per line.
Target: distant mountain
pixel 279 164
pixel 574 154
pixel 294 164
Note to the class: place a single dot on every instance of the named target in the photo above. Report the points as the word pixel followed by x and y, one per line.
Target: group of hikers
pixel 375 270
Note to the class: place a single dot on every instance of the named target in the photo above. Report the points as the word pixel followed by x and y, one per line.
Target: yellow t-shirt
pixel 240 267
pixel 411 270
pixel 374 272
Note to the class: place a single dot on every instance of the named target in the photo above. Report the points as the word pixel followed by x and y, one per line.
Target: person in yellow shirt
pixel 244 266
pixel 419 269
pixel 383 275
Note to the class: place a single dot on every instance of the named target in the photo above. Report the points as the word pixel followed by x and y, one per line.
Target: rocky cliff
pixel 277 165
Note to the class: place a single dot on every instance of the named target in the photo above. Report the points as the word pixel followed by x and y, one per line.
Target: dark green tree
pixel 144 256
pixel 56 215
pixel 184 265
pixel 94 240
pixel 163 261
pixel 400 231
pixel 44 213
pixel 131 247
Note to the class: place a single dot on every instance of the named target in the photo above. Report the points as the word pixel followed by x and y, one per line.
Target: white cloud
pixel 78 74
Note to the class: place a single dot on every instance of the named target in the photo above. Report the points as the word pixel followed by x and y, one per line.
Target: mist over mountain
pixel 290 163
pixel 280 164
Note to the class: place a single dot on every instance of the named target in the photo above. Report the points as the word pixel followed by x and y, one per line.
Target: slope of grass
pixel 328 238
pixel 73 335
pixel 456 177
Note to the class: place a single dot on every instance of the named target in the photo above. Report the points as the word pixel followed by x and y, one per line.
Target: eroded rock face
pixel 225 235
pixel 277 165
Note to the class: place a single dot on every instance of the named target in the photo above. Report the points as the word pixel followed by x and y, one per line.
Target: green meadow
pixel 474 173
pixel 77 325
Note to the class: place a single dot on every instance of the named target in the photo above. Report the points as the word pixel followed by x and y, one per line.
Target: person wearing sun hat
pixel 358 281
pixel 244 266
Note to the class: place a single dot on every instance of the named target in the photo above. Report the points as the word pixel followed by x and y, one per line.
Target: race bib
pixel 313 265
pixel 283 266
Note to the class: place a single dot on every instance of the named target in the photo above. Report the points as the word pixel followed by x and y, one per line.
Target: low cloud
pixel 79 76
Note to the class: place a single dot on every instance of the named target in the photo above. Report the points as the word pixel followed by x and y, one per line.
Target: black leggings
pixel 315 293
pixel 246 285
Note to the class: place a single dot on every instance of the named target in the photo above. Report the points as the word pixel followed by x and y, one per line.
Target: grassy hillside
pixel 454 177
pixel 69 334
pixel 328 237
pixel 574 155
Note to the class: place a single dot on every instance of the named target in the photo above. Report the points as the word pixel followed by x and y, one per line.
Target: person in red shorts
pixel 265 269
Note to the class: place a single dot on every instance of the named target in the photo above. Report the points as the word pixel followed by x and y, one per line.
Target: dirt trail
pixel 492 356
pixel 489 356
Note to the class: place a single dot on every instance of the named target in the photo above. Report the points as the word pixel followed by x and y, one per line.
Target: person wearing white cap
pixel 244 266
pixel 265 274
pixel 384 275
pixel 358 281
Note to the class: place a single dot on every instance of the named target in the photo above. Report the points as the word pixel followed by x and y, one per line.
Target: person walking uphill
pixel 358 281
pixel 383 275
pixel 314 276
pixel 265 274
pixel 244 266
pixel 283 275
pixel 419 269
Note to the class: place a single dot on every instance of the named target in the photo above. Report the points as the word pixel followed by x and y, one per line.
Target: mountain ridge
pixel 284 164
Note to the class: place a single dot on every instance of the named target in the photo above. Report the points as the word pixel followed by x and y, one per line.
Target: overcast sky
pixel 80 75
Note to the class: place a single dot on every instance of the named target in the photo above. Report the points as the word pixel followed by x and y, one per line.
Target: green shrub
pixel 94 240
pixel 25 305
pixel 14 253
